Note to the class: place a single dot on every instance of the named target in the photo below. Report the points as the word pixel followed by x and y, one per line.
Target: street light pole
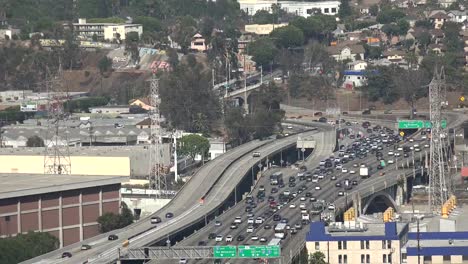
pixel 261 74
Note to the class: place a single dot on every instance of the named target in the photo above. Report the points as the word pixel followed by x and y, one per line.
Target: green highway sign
pixel 410 124
pixel 417 124
pixel 259 251
pixel 225 251
pixel 443 124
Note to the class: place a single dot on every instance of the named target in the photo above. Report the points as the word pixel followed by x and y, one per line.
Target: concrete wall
pixel 80 165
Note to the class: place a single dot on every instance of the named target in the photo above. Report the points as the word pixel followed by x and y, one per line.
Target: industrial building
pixel 304 9
pixel 66 206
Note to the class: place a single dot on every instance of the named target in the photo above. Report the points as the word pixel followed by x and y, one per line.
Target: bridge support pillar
pixel 357 204
pixel 401 191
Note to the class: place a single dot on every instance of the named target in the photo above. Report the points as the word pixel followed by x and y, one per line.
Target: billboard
pixel 28 107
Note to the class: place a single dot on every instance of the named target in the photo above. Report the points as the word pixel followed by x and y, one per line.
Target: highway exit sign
pixel 410 124
pixel 259 251
pixel 417 124
pixel 225 251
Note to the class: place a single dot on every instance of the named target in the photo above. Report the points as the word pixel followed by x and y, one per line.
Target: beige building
pixel 106 31
pixel 81 165
pixel 357 243
pixel 262 29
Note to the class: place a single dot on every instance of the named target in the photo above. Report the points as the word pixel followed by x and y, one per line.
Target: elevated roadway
pixel 216 181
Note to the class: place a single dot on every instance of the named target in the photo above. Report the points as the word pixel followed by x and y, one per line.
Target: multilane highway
pixel 219 177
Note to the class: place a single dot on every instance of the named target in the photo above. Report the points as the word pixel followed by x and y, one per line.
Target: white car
pixel 238 220
pixel 250 229
pixel 344 170
pixel 292 205
pixel 390 162
pixel 302 199
pixel 219 238
pixel 286 193
pixel 390 153
pixel 400 149
pixel 339 167
pixel 331 207
pixel 229 238
pixel 315 180
pixel 320 177
pixel 259 220
pixel 302 205
pixel 318 188
pixel 411 140
pixel 417 149
pixel 250 221
pixel 254 238
pixel 340 193
pixel 397 154
pixel 426 145
pixel 352 172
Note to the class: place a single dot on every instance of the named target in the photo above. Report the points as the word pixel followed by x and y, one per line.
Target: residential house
pixel 394 55
pixel 346 51
pixel 198 43
pixel 355 75
pixel 438 19
pixel 145 124
pixel 142 102
pixel 437 35
pixel 364 5
pixel 262 29
pixel 339 31
pixel 9 33
pixel 438 48
pixel 445 3
pixel 457 16
pixel 217 147
pixel 243 41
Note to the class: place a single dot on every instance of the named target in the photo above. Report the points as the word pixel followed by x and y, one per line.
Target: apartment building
pixel 105 31
pixel 357 243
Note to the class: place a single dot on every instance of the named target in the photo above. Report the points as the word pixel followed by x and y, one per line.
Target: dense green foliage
pixel 35 142
pixel 388 15
pixel 110 221
pixel 23 247
pixel 193 145
pixel 263 51
pixel 315 27
pixel 288 37
pixel 14 114
pixel 187 100
pixel 317 258
pixel 263 120
pixel 83 104
pixel 116 20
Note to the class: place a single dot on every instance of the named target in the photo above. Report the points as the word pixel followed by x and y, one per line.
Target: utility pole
pixel 157 179
pixel 56 159
pixel 438 188
pixel 261 74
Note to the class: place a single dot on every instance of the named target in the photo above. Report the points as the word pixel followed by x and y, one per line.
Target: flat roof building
pixel 66 206
pixel 106 31
pixel 304 9
pixel 357 243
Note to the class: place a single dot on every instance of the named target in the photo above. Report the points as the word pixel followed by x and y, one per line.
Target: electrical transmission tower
pixel 157 178
pixel 57 154
pixel 438 188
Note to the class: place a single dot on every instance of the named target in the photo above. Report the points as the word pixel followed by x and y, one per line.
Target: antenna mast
pixel 157 179
pixel 438 188
pixel 57 154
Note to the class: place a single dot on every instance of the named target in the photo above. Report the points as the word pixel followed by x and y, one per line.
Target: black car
pixel 304 222
pixel 308 194
pixel 354 182
pixel 292 179
pixel 276 217
pixel 379 167
pixel 322 119
pixel 248 209
pixel 66 255
pixel 338 184
pixel 267 226
pixel 169 215
pixel 212 236
pixel 292 184
pixel 274 190
pixel 112 237
pixel 202 243
pixel 240 238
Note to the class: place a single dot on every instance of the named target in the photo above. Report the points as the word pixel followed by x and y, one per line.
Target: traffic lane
pixel 143 224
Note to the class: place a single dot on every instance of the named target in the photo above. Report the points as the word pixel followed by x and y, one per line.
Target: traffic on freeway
pixel 285 200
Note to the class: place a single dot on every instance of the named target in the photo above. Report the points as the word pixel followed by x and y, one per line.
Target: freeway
pixel 217 179
pixel 327 191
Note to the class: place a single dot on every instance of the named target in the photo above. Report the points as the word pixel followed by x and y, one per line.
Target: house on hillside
pixel 364 5
pixel 438 48
pixel 355 75
pixel 457 16
pixel 142 102
pixel 198 43
pixel 394 55
pixel 145 124
pixel 438 19
pixel 350 51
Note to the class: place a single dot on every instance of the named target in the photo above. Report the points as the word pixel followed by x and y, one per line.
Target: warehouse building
pixel 63 205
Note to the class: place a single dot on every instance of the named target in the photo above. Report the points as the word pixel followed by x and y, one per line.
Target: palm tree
pixel 317 258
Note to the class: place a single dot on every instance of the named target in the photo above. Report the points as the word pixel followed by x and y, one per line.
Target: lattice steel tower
pixel 57 154
pixel 438 188
pixel 157 178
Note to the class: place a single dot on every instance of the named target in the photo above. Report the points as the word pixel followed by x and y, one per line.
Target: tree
pixel 424 39
pixel 104 65
pixel 373 52
pixel 26 246
pixel 263 51
pixel 374 10
pixel 263 17
pixel 110 221
pixel 131 46
pixel 187 100
pixel 412 84
pixel 183 31
pixel 149 23
pixel 381 85
pixel 388 15
pixel 193 145
pixel 345 9
pixel 451 39
pixel 288 37
pixel 35 142
pixel 403 26
pixel 237 127
pixel 317 258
